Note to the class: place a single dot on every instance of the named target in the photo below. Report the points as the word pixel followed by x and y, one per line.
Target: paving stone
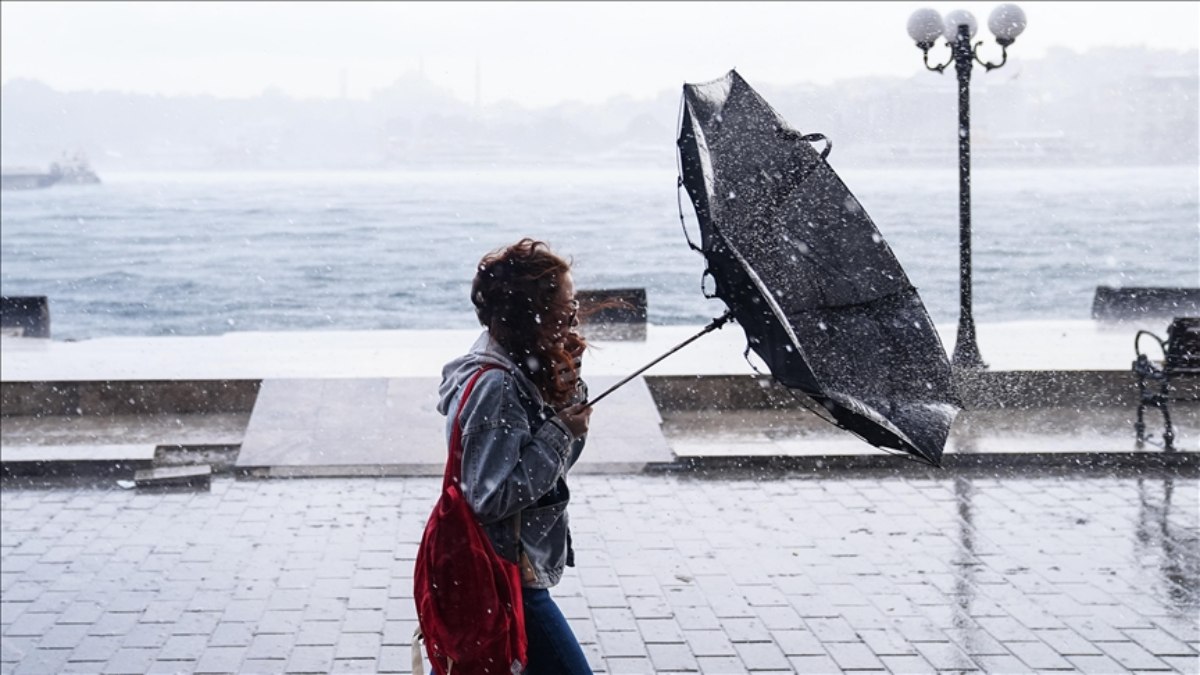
pixel 325 609
pixel 614 618
pixel 992 663
pixel 269 646
pixel 721 665
pixel 621 643
pixel 887 642
pixel 1132 656
pixel 280 621
pixel 1038 655
pixel 976 641
pixel 709 643
pixel 363 621
pixel 645 608
pixel 13 649
pixel 1159 642
pixel 114 624
pixel 320 633
pixel 147 635
pixel 62 637
pixel 265 666
pixel 1068 643
pixel 1183 664
pixel 374 598
pixel 746 630
pixel 184 647
pixel 672 657
pixel 853 656
pixel 394 659
pixel 660 631
pixel 131 661
pixel 945 656
pixel 310 660
pixel 1100 665
pixel 9 611
pixel 832 630
pixel 95 648
pixel 163 611
pixel 1007 629
pixel 697 618
pixel 196 623
pixel 30 625
pixel 915 665
pixel 761 655
pixel 358 646
pixel 810 664
pixel 227 660
pixel 41 661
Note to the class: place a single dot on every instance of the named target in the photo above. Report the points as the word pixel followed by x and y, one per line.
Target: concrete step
pixel 356 427
pixel 173 475
pixel 1045 431
pixel 75 458
pixel 168 429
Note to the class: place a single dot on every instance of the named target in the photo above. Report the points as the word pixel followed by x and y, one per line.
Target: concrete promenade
pixel 1011 346
pixel 913 572
pixel 724 561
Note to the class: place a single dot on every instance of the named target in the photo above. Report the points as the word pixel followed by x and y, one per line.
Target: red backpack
pixel 468 597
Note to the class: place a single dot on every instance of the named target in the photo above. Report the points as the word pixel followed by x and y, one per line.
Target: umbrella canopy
pixel 807 275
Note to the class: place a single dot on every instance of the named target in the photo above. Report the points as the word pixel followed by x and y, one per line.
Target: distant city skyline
pixel 533 54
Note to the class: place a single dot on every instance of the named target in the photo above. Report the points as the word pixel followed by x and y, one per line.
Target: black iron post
pixel 925 26
pixel 966 350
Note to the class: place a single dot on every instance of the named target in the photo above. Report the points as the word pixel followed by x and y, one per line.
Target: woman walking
pixel 522 428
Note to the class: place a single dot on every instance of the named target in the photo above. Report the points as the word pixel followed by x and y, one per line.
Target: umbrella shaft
pixel 716 323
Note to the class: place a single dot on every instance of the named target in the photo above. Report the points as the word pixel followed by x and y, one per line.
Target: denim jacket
pixel 516 454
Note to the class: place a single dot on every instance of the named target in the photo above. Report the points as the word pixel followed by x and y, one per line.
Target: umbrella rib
pixel 902 291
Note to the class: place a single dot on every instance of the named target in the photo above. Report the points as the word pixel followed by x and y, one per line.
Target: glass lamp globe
pixel 1006 22
pixel 925 25
pixel 959 17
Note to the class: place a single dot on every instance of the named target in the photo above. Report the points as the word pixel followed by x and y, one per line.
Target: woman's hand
pixel 576 418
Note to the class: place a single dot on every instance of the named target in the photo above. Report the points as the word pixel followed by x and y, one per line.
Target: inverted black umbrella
pixel 807 275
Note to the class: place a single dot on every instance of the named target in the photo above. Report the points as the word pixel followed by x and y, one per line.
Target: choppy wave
pixel 209 253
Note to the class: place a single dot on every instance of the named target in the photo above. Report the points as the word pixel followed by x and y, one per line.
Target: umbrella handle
pixel 713 325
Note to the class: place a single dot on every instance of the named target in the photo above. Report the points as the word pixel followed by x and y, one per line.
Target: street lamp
pixel 925 26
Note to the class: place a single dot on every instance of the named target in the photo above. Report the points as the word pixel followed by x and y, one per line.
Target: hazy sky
pixel 533 53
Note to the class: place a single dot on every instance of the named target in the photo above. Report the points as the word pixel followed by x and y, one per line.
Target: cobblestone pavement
pixel 907 574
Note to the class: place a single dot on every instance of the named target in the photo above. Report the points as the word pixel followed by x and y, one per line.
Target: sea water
pixel 207 253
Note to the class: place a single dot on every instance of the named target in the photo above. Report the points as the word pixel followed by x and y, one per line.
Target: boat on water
pixel 68 171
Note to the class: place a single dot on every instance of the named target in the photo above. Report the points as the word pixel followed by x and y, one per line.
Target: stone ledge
pixel 127 397
pixel 986 389
pixel 1181 463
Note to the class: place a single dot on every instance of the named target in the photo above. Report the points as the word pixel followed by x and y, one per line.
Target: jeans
pixel 553 649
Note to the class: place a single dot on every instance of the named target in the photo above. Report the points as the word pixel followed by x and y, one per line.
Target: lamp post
pixel 925 26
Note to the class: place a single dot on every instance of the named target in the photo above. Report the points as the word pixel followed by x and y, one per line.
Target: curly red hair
pixel 518 296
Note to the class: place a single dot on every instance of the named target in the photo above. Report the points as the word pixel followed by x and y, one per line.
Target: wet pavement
pixel 923 571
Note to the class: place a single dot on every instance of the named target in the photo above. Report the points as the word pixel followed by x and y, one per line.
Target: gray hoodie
pixel 516 454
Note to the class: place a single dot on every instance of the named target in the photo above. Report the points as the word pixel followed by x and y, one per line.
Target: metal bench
pixel 1181 359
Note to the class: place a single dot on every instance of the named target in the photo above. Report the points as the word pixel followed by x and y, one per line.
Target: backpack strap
pixel 454 461
pixel 453 473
